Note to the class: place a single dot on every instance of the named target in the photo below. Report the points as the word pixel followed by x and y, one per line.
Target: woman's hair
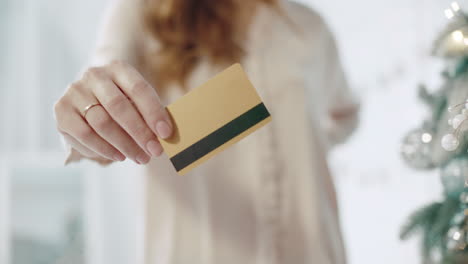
pixel 189 30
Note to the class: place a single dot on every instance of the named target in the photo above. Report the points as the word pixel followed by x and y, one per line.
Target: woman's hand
pixel 124 121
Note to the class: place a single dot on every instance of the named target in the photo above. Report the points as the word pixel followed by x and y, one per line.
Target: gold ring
pixel 85 111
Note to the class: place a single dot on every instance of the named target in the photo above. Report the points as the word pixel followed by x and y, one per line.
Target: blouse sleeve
pixel 335 104
pixel 120 33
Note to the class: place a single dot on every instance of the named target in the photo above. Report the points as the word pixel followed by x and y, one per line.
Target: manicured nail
pixel 154 148
pixel 142 158
pixel 119 157
pixel 163 129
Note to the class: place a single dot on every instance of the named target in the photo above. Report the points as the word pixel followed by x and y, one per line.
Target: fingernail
pixel 154 148
pixel 119 157
pixel 142 158
pixel 163 129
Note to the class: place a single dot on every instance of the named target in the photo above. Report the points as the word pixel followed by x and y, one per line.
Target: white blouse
pixel 269 199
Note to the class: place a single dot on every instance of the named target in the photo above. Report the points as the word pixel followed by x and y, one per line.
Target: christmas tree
pixel 441 143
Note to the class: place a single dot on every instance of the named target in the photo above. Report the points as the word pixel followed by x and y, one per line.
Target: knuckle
pixel 95 73
pixel 102 122
pixel 116 103
pixel 139 88
pixel 75 86
pixel 141 132
pixel 118 63
pixel 59 106
pixel 84 133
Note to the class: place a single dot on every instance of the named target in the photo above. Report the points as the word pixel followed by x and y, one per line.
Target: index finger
pixel 144 96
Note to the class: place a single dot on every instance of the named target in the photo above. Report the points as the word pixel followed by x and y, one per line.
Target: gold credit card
pixel 212 117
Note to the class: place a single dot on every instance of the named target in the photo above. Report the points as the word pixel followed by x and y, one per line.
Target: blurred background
pixel 85 214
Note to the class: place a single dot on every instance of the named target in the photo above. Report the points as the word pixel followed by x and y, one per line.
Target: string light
pixel 458 36
pixel 426 138
pixel 449 13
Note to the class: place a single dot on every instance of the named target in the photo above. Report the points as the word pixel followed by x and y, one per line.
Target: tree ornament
pixel 454 175
pixel 450 142
pixel 458 120
pixel 453 40
pixel 416 149
pixel 457 235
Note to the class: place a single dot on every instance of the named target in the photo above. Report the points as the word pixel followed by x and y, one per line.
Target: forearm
pixel 341 124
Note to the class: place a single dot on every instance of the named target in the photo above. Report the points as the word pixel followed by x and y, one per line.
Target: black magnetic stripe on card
pixel 220 136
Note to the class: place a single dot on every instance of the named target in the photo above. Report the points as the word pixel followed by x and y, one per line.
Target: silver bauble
pixel 453 176
pixel 416 149
pixel 457 235
pixel 456 239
